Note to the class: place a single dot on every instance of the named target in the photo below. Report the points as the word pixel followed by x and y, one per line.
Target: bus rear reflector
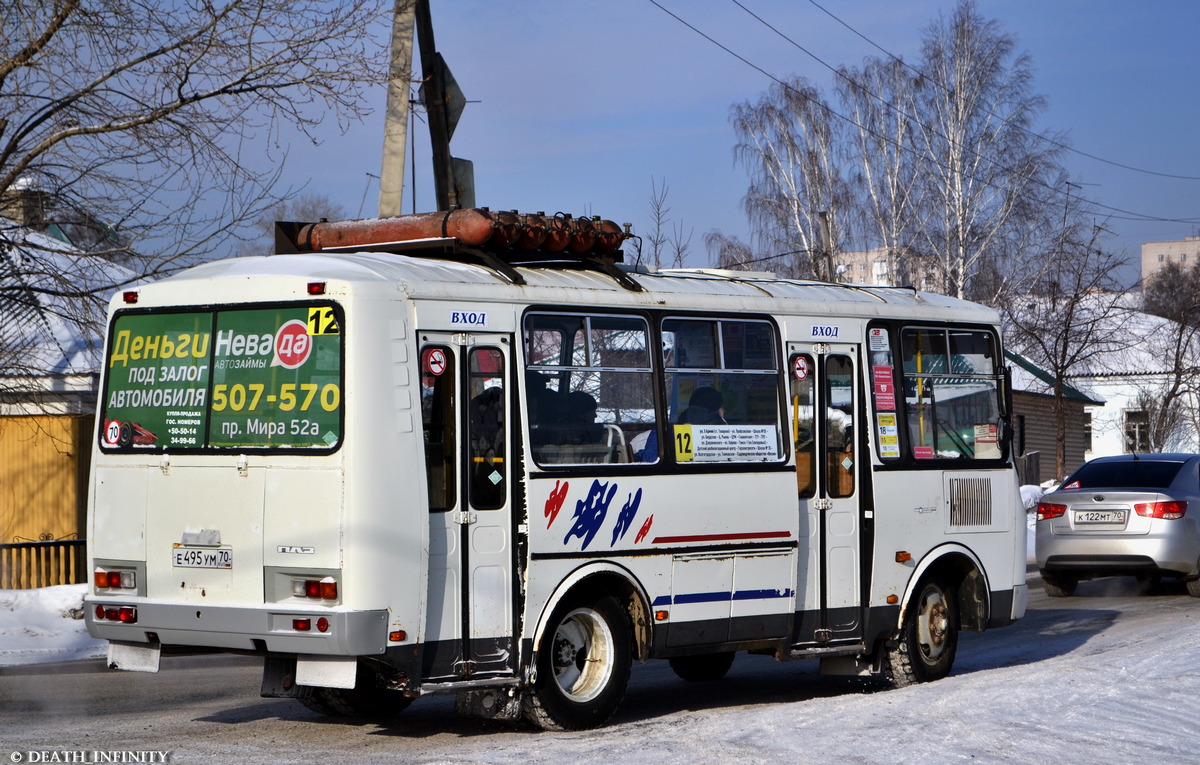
pixel 302 625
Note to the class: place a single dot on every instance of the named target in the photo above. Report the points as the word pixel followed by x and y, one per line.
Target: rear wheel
pixel 703 668
pixel 1193 587
pixel 583 665
pixel 929 638
pixel 1059 585
pixel 365 699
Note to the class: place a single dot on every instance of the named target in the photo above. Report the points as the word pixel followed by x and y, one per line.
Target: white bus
pixel 417 462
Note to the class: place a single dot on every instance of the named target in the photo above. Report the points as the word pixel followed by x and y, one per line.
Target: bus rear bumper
pixel 264 628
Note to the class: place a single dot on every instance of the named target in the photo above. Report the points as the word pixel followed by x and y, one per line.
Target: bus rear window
pixel 238 378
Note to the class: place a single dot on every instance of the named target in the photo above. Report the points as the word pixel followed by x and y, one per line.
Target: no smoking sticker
pixel 800 368
pixel 435 361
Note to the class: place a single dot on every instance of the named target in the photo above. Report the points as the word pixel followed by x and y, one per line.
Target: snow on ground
pixel 46 625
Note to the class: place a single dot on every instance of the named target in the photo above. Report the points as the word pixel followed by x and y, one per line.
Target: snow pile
pixel 45 625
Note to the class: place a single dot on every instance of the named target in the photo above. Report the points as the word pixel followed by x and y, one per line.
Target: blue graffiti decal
pixel 627 515
pixel 590 513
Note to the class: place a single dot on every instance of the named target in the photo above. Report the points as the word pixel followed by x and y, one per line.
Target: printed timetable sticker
pixel 726 443
pixel 877 339
pixel 889 436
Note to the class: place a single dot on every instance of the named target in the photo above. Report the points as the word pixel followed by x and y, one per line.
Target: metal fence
pixel 28 565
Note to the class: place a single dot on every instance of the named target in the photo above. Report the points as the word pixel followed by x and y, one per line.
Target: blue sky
pixel 581 104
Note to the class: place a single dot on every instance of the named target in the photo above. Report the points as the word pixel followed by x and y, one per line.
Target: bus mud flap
pixel 326 671
pixel 134 657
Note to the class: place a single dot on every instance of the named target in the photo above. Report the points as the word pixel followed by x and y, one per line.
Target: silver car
pixel 1131 515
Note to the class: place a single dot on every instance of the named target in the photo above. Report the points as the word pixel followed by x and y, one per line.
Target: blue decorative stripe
pixel 717 597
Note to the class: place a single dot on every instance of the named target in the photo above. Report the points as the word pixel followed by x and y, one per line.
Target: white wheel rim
pixel 933 625
pixel 582 657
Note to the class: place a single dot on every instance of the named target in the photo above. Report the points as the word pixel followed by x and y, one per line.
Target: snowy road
pixel 1109 676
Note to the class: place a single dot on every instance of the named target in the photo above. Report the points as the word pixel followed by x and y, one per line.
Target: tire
pixel 928 639
pixel 583 665
pixel 366 699
pixel 1059 585
pixel 704 668
pixel 1193 587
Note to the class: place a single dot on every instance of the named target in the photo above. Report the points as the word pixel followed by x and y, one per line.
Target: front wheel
pixel 929 638
pixel 583 665
pixel 1193 587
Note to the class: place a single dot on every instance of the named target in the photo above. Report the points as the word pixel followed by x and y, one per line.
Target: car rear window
pixel 1143 474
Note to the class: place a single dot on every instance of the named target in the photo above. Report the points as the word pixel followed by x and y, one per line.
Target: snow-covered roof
pixel 51 326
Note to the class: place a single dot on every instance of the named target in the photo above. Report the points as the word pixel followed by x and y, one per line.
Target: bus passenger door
pixel 823 398
pixel 466 411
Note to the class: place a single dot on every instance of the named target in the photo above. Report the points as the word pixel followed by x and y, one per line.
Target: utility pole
pixel 395 127
pixel 826 253
pixel 435 95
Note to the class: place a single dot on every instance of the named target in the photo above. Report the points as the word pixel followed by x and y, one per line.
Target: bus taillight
pixel 123 614
pixel 113 580
pixel 319 589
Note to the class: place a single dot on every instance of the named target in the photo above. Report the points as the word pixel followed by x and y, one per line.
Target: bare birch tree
pixel 1074 312
pixel 880 101
pixel 793 148
pixel 981 157
pixel 135 122
pixel 1173 293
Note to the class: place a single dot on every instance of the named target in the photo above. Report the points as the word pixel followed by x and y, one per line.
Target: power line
pixel 1113 212
pixel 1123 214
pixel 1065 147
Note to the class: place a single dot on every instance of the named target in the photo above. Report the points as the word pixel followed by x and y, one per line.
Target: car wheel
pixel 583 666
pixel 1193 587
pixel 1059 585
pixel 928 640
pixel 703 668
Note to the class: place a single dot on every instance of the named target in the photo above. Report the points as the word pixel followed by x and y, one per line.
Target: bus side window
pixel 438 427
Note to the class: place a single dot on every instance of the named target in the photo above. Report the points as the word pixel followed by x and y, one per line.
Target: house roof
pixel 1030 378
pixel 50 325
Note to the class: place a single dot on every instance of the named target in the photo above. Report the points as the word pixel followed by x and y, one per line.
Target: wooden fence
pixel 28 565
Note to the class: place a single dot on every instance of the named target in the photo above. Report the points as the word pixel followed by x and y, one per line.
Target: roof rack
pixel 498 240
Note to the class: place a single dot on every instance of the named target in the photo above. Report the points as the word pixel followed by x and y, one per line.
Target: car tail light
pixel 1047 510
pixel 1167 510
